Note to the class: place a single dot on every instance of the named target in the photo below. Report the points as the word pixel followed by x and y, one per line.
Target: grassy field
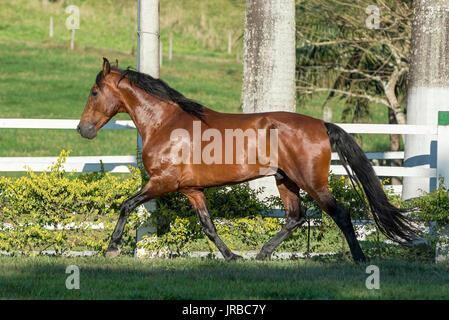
pixel 182 278
pixel 198 30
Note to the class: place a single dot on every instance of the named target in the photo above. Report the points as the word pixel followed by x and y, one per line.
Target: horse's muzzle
pixel 86 130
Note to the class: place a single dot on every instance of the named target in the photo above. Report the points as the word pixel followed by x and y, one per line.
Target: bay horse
pixel 303 157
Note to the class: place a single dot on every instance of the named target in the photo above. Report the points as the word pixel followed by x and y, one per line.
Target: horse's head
pixel 103 103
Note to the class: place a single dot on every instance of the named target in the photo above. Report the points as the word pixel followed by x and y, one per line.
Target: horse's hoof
pixel 361 260
pixel 262 256
pixel 235 257
pixel 112 253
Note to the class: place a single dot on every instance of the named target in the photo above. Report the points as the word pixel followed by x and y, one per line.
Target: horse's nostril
pixel 78 128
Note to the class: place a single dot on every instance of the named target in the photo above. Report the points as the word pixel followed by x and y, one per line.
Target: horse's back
pixel 275 120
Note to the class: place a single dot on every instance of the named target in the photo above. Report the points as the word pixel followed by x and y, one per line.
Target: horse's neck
pixel 148 114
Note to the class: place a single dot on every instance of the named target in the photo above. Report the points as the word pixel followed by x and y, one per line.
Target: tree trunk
pixel 428 89
pixel 269 64
pixel 269 56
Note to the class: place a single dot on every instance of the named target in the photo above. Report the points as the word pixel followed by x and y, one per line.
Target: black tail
pixel 387 217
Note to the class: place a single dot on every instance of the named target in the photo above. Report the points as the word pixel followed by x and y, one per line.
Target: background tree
pixel 269 63
pixel 269 56
pixel 343 51
pixel 428 90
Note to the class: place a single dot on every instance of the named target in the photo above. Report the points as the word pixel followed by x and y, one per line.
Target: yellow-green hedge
pixel 34 206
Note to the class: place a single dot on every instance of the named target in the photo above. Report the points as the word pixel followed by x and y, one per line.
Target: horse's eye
pixel 94 93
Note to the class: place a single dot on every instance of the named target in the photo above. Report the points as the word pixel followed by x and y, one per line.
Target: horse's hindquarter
pixel 302 149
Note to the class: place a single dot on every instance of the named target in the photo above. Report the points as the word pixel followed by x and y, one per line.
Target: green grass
pixel 197 30
pixel 192 278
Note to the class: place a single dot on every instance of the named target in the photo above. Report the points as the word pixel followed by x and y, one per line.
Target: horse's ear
pixel 106 67
pixel 116 63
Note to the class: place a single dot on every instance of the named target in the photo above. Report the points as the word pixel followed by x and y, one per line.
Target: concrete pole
pixel 428 90
pixel 148 62
pixel 148 42
pixel 269 63
pixel 148 37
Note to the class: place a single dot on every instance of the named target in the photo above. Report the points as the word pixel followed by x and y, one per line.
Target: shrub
pixel 54 209
pixel 224 202
pixel 433 206
pixel 183 232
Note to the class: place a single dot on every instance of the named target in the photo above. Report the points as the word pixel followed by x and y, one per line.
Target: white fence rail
pixel 115 164
pixel 58 124
pixel 119 164
pixel 390 129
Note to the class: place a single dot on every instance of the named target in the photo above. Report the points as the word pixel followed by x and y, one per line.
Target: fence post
pixel 327 114
pixel 72 40
pixel 50 33
pixel 442 246
pixel 443 147
pixel 170 47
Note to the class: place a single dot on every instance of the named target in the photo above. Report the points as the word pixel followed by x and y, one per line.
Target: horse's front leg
pixel 153 189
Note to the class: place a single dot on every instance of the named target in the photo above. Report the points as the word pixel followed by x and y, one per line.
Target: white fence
pixel 116 164
pixel 391 171
pixel 119 164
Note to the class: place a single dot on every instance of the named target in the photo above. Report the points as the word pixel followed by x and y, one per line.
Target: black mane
pixel 158 89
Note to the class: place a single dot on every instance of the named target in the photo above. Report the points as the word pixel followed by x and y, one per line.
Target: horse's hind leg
pixel 295 216
pixel 341 217
pixel 198 201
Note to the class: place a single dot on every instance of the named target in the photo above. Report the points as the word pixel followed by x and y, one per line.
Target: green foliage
pixel 54 209
pixel 250 232
pixel 433 206
pixel 237 214
pixel 223 202
pixel 350 197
